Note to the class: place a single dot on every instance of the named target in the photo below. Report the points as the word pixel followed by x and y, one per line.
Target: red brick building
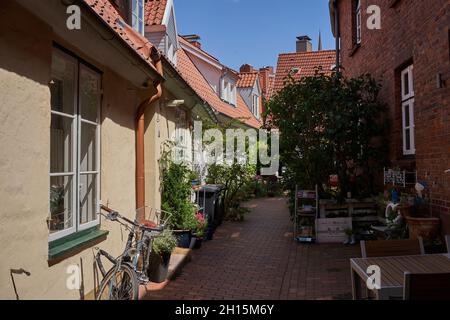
pixel 410 55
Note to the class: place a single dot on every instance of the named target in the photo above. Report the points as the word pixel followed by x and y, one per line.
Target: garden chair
pixel 390 248
pixel 426 286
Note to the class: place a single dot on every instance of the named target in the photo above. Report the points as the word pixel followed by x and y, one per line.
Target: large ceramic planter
pixel 427 228
pixel 405 210
pixel 158 268
pixel 183 238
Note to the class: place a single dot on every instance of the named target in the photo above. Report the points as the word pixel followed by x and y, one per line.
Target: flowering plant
pixel 202 224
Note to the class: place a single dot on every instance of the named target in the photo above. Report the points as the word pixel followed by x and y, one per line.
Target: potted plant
pixel 350 236
pixel 162 247
pixel 406 204
pixel 420 221
pixel 201 226
pixel 56 208
pixel 176 198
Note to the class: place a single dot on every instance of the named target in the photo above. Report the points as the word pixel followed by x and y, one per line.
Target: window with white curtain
pixel 408 126
pixel 74 146
pixel 181 136
pixel 137 15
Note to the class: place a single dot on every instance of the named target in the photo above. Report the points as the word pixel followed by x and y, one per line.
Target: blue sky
pixel 253 31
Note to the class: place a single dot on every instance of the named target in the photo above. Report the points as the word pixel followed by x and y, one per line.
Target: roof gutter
pixel 140 132
pixel 152 71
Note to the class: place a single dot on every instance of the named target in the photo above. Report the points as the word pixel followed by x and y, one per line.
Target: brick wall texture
pixel 415 32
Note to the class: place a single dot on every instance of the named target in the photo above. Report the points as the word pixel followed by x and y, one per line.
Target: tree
pixel 330 125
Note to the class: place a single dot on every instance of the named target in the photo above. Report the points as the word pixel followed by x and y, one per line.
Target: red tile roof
pixel 270 88
pixel 154 12
pixel 109 14
pixel 306 62
pixel 247 79
pixel 196 80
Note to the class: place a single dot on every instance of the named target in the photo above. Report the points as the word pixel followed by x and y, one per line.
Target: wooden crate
pixel 332 230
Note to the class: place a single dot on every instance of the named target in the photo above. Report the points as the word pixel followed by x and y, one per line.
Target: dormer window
pixel 137 15
pixel 228 92
pixel 255 105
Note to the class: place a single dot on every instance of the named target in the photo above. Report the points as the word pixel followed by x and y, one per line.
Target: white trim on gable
pixel 170 9
pixel 189 49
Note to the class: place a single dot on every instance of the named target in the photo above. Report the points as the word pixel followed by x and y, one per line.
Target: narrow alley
pixel 258 259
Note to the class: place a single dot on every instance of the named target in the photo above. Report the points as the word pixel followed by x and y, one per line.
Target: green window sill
pixel 67 246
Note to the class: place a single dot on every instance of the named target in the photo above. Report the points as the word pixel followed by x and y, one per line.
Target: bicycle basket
pixel 153 217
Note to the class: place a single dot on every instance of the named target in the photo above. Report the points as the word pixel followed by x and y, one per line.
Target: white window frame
pixel 255 105
pixel 408 105
pixel 181 131
pixel 76 152
pixel 137 18
pixel 358 22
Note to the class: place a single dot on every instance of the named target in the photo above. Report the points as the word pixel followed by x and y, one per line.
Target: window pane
pixel 134 21
pixel 89 95
pixel 88 151
pixel 408 139
pixel 61 196
pixel 407 117
pixel 406 84
pixel 63 85
pixel 141 9
pixel 88 198
pixel 61 136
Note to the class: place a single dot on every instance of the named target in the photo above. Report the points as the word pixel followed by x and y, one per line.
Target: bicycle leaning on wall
pixel 129 270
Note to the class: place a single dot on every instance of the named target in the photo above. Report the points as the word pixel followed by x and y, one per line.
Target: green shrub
pixel 176 196
pixel 164 243
pixel 335 126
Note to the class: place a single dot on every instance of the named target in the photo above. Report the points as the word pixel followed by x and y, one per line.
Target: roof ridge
pixel 197 48
pixel 308 52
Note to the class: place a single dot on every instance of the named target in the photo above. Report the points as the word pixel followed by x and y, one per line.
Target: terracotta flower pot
pixel 427 228
pixel 405 210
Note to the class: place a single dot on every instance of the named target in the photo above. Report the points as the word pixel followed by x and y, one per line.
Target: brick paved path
pixel 258 259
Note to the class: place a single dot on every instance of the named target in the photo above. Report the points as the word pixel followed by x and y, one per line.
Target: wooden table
pixel 393 270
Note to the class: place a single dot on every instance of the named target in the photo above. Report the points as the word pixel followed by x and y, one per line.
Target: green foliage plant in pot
pixel 162 247
pixel 176 198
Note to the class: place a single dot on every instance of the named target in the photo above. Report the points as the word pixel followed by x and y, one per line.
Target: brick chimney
pixel 304 44
pixel 245 68
pixel 193 39
pixel 264 76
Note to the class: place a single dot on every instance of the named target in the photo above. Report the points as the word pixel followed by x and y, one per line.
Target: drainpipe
pixel 140 131
pixel 338 35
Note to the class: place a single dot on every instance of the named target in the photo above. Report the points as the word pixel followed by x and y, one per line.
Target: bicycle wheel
pixel 119 285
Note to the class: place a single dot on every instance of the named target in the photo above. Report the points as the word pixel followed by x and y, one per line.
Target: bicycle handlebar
pixel 114 216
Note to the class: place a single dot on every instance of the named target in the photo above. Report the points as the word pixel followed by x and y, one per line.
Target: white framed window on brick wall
pixel 408 124
pixel 358 21
pixel 74 146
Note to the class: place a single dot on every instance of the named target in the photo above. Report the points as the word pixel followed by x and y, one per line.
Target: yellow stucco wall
pixel 24 160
